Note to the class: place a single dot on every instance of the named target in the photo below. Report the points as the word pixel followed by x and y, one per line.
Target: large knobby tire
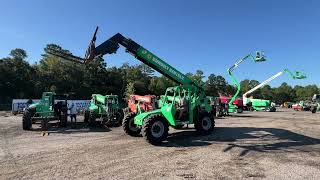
pixel 128 125
pixel 272 109
pixel 204 124
pixel 314 110
pixel 119 118
pixel 240 110
pixel 92 118
pixel 27 118
pixel 155 129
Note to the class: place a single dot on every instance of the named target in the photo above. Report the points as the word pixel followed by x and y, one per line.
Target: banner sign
pixel 18 105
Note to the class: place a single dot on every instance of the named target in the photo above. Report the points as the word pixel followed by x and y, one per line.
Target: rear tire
pixel 128 125
pixel 119 118
pixel 27 118
pixel 240 110
pixel 205 124
pixel 155 129
pixel 92 118
pixel 314 110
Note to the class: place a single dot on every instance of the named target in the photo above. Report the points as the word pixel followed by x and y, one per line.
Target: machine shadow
pixel 78 128
pixel 243 116
pixel 274 139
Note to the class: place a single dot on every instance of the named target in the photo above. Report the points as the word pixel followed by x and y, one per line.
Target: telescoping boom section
pixel 111 46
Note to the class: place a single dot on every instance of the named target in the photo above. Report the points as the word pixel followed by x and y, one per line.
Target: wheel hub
pixel 132 126
pixel 157 129
pixel 206 123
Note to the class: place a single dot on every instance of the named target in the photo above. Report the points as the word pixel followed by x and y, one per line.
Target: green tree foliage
pixel 266 92
pixel 283 93
pixel 247 84
pixel 129 90
pixel 16 80
pixel 305 93
pixel 197 77
pixel 18 54
pixel 215 85
pixel 158 85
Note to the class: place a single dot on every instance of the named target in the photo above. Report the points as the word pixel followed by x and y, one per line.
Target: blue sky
pixel 209 35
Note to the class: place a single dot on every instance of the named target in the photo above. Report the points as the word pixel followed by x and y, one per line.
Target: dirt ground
pixel 252 145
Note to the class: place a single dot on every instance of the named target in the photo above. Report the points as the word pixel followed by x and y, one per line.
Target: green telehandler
pixel 183 104
pixel 104 109
pixel 50 107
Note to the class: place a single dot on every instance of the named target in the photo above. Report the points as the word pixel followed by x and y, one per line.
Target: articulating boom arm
pixel 111 46
pixel 259 58
pixel 263 83
pixel 293 75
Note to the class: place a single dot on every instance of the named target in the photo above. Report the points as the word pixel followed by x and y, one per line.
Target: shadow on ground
pixel 243 116
pixel 246 138
pixel 53 128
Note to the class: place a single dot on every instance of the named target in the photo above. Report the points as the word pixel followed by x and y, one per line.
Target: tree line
pixel 20 79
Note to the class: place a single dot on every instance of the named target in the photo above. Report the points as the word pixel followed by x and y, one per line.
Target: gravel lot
pixel 252 145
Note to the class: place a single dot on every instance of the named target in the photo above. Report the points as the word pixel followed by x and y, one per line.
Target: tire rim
pixel 132 126
pixel 206 123
pixel 157 129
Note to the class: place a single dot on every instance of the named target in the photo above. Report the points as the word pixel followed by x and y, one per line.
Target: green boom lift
pixel 154 125
pixel 258 58
pixel 262 104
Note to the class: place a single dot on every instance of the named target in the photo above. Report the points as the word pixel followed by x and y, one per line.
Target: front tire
pixel 205 124
pixel 272 109
pixel 128 125
pixel 155 129
pixel 27 118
